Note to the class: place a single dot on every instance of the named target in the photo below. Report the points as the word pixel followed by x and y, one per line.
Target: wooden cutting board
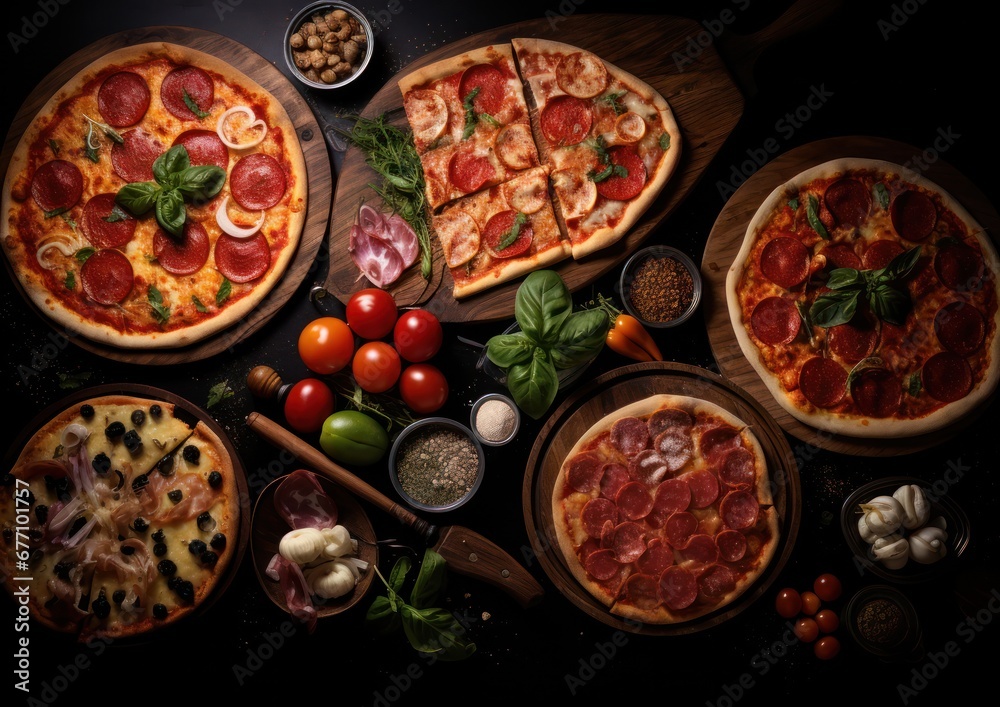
pixel 310 139
pixel 726 238
pixel 704 98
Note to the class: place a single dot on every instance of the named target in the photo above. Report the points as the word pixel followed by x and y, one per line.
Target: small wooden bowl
pixel 268 527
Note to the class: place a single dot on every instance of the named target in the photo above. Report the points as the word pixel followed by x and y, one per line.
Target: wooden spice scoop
pixel 465 551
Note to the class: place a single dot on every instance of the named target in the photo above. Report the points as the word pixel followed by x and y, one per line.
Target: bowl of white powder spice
pixel 495 419
pixel 436 464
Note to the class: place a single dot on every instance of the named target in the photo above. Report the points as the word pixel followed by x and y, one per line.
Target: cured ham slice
pixel 303 503
pixel 294 587
pixel 377 260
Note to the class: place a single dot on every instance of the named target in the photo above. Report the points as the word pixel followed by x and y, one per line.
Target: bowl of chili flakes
pixel 660 286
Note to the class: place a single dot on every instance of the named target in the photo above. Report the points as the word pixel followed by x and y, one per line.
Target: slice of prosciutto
pixel 377 260
pixel 403 238
pixel 295 589
pixel 392 234
pixel 302 502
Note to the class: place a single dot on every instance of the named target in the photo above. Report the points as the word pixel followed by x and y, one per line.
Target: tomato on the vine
pixel 371 313
pixel 417 335
pixel 307 405
pixel 376 366
pixel 423 388
pixel 326 345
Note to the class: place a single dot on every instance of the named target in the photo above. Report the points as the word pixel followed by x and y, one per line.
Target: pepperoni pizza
pixel 866 298
pixel 155 199
pixel 663 510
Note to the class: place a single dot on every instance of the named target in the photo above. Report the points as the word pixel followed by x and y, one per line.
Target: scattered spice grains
pixel 437 466
pixel 882 622
pixel 662 289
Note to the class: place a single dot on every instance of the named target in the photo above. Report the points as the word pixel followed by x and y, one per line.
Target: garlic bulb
pixel 883 514
pixel 337 542
pixel 928 545
pixel 301 545
pixel 331 579
pixel 916 509
pixel 891 550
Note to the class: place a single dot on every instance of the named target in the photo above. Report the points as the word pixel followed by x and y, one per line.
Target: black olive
pixel 35 535
pixel 160 549
pixel 8 535
pixel 132 440
pixel 166 465
pixel 121 482
pixel 158 536
pixel 29 497
pixel 155 410
pixel 139 482
pixel 206 522
pixel 196 547
pixel 114 430
pixel 138 417
pixel 86 411
pixel 62 570
pixel 7 479
pixel 101 606
pixel 140 525
pixel 101 463
pixel 118 597
pixel 176 495
pixel 209 558
pixel 127 549
pixel 77 525
pixel 62 490
pixel 215 479
pixel 159 611
pixel 185 591
pixel 166 567
pixel 218 541
pixel 191 454
pixel 41 512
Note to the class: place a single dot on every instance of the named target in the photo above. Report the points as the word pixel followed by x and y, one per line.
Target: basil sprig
pixel 812 213
pixel 177 182
pixel 604 157
pixel 515 231
pixel 878 288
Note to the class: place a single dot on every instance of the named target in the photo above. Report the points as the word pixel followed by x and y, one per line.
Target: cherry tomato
pixel 788 603
pixel 810 603
pixel 417 335
pixel 827 587
pixel 827 620
pixel 307 405
pixel 376 366
pixel 806 629
pixel 371 313
pixel 423 388
pixel 326 345
pixel 827 647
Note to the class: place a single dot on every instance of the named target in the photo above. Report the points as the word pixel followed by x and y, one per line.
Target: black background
pixel 901 70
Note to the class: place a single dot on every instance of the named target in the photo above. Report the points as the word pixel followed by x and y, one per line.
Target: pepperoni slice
pixel 584 472
pixel 662 420
pixel 107 277
pixel 198 86
pixel 182 256
pixel 634 500
pixel 627 187
pixel 642 591
pixel 629 435
pixel 854 340
pixel 101 232
pixel 675 447
pixel 775 321
pixel 717 581
pixel 739 510
pixel 133 159
pixel 615 476
pixel 497 229
pixel 672 496
pixel 566 120
pixel 595 512
pixel 601 565
pixel 718 440
pixel 880 253
pixel 628 543
pixel 960 327
pixel 123 99
pixel 491 84
pixel 704 488
pixel 679 528
pixel 678 588
pixel 876 392
pixel 242 259
pixel 57 186
pixel 785 261
pixel 701 551
pixel 849 201
pixel 257 182
pixel 841 256
pixel 648 466
pixel 947 377
pixel 913 215
pixel 656 558
pixel 732 545
pixel 469 172
pixel 204 147
pixel 737 469
pixel 823 381
pixel 959 267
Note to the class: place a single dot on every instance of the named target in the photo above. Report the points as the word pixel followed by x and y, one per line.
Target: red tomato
pixel 376 366
pixel 788 603
pixel 827 587
pixel 806 629
pixel 810 603
pixel 371 313
pixel 827 620
pixel 423 388
pixel 417 335
pixel 827 647
pixel 326 345
pixel 307 405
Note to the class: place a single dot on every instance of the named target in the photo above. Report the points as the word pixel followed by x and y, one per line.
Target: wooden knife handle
pixel 469 553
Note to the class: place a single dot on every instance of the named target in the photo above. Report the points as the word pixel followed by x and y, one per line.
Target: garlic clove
pixel 938 522
pixel 301 545
pixel 883 515
pixel 336 542
pixel 332 579
pixel 865 532
pixel 893 551
pixel 915 508
pixel 928 545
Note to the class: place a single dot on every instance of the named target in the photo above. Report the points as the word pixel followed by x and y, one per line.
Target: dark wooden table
pixel 919 73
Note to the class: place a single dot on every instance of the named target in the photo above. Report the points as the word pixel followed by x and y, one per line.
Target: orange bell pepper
pixel 627 336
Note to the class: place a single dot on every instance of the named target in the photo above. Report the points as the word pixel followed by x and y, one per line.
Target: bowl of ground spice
pixel 436 464
pixel 660 286
pixel 495 419
pixel 883 622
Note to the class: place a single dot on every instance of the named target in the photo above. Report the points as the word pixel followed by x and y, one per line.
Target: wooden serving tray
pixel 610 392
pixel 313 148
pixel 724 243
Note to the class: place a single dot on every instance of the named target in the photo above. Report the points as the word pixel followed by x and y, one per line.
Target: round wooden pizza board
pixel 314 150
pixel 611 391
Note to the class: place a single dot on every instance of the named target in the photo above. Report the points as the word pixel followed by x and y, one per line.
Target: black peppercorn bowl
pixel 632 266
pixel 431 425
pixel 305 15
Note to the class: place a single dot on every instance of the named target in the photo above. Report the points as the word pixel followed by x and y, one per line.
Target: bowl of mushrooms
pixel 328 44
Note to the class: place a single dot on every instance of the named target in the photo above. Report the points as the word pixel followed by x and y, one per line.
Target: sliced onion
pixel 72 435
pixel 64 244
pixel 248 112
pixel 227 225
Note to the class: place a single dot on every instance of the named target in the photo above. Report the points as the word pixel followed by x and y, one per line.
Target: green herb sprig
pixel 604 157
pixel 514 233
pixel 219 392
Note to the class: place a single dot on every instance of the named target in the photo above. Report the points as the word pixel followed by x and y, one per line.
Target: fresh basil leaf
pixel 398 574
pixel 219 392
pixel 198 304
pixel 600 147
pixel 541 305
pixel 170 212
pixel 70 381
pixel 117 214
pixel 470 113
pixel 225 289
pixel 581 338
pixel 614 100
pixel 612 170
pixel 192 106
pixel 437 632
pixel 155 299
pixel 138 197
pixel 889 304
pixel 430 580
pixel 70 281
pixel 665 142
pixel 106 129
pixel 201 183
pixel 514 232
pixel 55 212
pixel 487 118
pixel 914 385
pixel 881 195
pixel 382 616
pixel 902 265
pixel 55 147
pixel 84 253
pixel 173 161
pixel 812 213
pixel 804 315
pixel 534 384
pixel 69 221
pixel 833 308
pixel 793 204
pixel 506 350
pixel 844 278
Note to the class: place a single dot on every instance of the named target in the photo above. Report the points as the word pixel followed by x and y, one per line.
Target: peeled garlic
pixel 331 579
pixel 928 544
pixel 891 550
pixel 301 545
pixel 337 542
pixel 883 514
pixel 866 534
pixel 916 509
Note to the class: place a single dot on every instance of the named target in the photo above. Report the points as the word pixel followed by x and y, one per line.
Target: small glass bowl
pixel 322 7
pixel 423 425
pixel 632 267
pixel 904 644
pixel 475 411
